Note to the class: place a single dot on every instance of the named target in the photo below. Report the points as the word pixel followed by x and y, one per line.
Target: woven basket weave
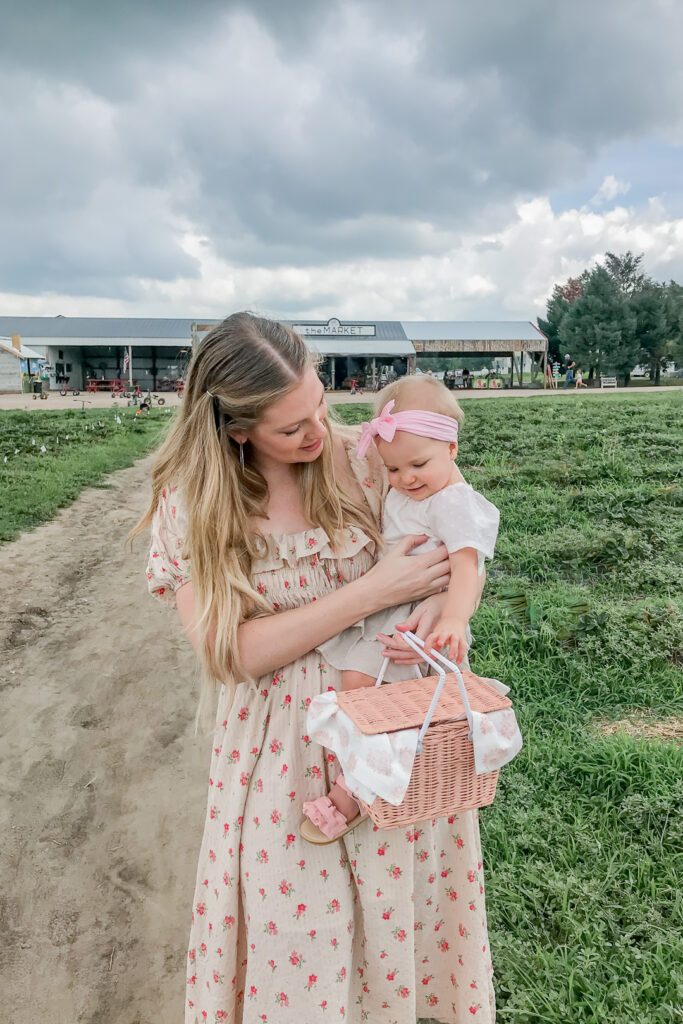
pixel 443 779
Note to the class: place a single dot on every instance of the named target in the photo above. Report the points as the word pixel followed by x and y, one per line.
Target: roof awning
pixel 365 348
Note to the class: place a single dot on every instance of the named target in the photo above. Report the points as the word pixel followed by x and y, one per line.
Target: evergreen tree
pixel 674 305
pixel 558 304
pixel 625 272
pixel 653 326
pixel 598 328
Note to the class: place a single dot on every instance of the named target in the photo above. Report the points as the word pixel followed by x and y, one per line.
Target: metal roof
pixel 390 337
pixel 385 330
pixel 361 346
pixel 471 330
pixel 98 328
pixel 23 353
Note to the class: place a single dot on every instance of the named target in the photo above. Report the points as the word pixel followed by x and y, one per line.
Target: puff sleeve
pixel 167 570
pixel 463 518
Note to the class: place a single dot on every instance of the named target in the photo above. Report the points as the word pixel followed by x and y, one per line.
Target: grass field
pixel 80 448
pixel 583 616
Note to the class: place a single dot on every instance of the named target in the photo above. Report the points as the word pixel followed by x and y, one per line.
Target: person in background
pixel 569 367
pixel 579 380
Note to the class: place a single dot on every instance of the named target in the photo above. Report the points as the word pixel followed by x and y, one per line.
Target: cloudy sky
pixel 386 158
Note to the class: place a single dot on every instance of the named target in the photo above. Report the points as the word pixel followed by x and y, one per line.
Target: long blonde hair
pixel 243 365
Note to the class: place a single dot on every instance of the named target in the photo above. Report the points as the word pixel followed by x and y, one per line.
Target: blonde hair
pixel 423 392
pixel 242 366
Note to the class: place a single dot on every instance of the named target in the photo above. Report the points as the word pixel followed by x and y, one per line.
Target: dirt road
pixel 103 400
pixel 104 782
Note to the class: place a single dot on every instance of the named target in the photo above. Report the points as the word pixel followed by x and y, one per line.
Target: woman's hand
pixel 421 621
pixel 400 577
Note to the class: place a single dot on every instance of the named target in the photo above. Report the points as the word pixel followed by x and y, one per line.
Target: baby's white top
pixel 458 515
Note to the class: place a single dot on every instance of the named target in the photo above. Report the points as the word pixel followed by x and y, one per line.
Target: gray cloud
pixel 301 133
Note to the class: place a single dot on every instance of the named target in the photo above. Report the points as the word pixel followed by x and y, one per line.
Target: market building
pixel 154 352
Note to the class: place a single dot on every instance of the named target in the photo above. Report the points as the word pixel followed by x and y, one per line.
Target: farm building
pixel 16 359
pixel 97 348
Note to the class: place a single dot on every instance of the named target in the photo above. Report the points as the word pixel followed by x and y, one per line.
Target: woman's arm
pixel 422 621
pixel 271 641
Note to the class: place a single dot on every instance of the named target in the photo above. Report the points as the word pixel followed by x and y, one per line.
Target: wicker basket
pixel 443 779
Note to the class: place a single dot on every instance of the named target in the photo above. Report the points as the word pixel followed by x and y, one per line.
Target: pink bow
pixel 413 421
pixel 383 426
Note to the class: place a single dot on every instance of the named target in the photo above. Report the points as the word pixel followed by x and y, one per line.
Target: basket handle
pixel 418 645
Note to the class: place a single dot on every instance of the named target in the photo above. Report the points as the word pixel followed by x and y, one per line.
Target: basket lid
pixel 404 705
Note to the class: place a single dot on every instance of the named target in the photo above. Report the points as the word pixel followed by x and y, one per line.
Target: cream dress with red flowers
pixel 385 925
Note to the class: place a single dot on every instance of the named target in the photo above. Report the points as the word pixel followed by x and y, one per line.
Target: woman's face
pixel 293 427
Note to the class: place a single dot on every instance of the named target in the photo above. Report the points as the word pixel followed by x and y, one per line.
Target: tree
pixel 674 297
pixel 624 271
pixel 562 297
pixel 598 328
pixel 653 329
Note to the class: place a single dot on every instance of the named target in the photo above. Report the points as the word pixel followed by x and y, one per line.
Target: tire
pixel 63 393
pixel 76 392
pixel 161 401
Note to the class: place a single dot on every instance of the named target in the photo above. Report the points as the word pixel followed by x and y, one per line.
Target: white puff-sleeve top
pixel 457 516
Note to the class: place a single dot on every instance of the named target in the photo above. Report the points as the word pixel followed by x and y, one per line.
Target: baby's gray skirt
pixel 357 649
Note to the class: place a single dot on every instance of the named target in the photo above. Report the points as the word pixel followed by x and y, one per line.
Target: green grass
pixel 35 484
pixel 583 617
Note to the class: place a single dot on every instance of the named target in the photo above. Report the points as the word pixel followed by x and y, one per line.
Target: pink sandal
pixel 323 822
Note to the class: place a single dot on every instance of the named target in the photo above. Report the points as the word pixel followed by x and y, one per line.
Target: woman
pixel 265 535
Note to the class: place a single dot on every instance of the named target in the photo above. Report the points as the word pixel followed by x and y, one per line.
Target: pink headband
pixel 413 421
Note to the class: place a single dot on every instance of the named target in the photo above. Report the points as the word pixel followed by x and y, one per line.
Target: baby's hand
pixel 451 632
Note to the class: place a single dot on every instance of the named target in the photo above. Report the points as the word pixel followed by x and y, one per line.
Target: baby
pixel 416 435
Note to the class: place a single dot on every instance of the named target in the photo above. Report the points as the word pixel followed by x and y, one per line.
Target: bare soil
pixel 669 729
pixel 104 783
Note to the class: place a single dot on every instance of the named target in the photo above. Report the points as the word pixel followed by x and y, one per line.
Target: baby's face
pixel 418 466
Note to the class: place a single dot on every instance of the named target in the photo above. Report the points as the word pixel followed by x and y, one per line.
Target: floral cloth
pixel 384 925
pixel 381 764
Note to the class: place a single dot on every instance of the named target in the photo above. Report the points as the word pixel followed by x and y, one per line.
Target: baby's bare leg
pixel 352 680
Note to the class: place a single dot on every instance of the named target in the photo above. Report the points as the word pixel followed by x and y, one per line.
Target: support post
pixel 332 372
pixel 130 365
pixel 512 369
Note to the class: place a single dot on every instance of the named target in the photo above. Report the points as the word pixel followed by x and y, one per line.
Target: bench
pixel 608 382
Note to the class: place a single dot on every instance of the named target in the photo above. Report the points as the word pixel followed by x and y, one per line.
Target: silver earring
pixel 242 456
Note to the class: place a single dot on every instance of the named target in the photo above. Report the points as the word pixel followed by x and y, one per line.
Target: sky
pixel 314 158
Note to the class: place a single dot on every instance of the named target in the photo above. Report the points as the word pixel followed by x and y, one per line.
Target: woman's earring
pixel 242 456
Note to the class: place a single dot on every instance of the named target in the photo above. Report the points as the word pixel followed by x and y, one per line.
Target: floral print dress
pixel 385 925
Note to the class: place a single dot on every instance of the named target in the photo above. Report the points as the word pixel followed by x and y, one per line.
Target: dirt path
pixel 103 400
pixel 104 783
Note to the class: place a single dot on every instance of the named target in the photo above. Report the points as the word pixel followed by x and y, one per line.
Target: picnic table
pixel 106 384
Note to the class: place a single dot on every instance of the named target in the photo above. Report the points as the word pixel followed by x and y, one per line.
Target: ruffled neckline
pixel 290 548
pixel 283 548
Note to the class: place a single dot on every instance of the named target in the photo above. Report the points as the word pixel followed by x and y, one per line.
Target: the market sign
pixel 334 328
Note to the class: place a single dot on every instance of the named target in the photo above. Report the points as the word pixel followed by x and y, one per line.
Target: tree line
pixel 615 317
